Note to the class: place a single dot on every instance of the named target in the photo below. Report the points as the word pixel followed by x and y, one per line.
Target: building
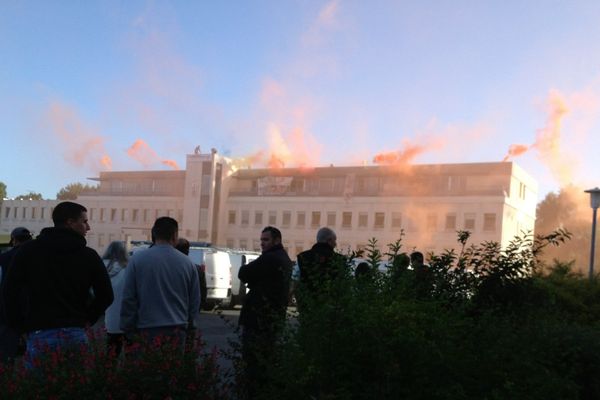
pixel 215 201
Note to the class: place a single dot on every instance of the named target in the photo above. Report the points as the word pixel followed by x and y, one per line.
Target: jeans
pixel 49 340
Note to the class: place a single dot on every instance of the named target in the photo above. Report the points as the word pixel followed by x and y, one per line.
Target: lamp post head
pixel 594 197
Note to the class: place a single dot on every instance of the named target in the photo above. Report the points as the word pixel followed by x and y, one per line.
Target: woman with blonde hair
pixel 115 259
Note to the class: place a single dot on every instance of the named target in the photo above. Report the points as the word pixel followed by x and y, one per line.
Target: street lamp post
pixel 595 203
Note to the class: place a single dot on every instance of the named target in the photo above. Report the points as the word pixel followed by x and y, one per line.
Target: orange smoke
pixel 547 142
pixel 170 163
pixel 145 155
pixel 275 162
pixel 402 157
pixel 295 149
pixel 82 146
pixel 516 150
pixel 106 162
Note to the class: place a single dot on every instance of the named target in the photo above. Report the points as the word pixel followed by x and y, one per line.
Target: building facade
pixel 215 202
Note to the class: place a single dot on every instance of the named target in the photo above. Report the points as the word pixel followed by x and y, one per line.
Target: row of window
pixel 134 215
pixel 146 215
pixel 348 219
pixel 41 213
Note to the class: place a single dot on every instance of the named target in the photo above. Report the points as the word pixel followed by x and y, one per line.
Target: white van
pixel 217 267
pixel 237 259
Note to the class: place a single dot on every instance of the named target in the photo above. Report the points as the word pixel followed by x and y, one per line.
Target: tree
pixel 30 196
pixel 73 190
pixel 568 209
pixel 2 191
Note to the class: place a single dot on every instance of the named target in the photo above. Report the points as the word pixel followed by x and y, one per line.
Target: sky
pixel 130 85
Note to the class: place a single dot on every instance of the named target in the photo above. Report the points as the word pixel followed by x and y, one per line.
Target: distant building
pixel 215 202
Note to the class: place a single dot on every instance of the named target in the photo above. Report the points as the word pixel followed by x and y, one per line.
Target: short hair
pixel 275 233
pixel 165 228
pixel 20 235
pixel 417 256
pixel 325 234
pixel 183 245
pixel 116 252
pixel 65 211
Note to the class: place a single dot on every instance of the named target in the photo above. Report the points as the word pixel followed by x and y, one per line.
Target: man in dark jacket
pixel 263 311
pixel 321 263
pixel 56 285
pixel 9 338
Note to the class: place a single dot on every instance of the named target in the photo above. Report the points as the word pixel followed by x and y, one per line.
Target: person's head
pixel 19 236
pixel 165 230
pixel 116 252
pixel 269 237
pixel 71 215
pixel 416 259
pixel 183 245
pixel 362 269
pixel 327 235
pixel 402 261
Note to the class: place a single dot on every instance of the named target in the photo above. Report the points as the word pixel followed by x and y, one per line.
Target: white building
pixel 214 202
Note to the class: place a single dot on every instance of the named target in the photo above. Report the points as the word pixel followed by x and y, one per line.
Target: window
pixel 6 212
pixel 258 218
pixel 113 214
pixel 101 217
pixel 256 245
pixel 379 220
pixel 431 222
pixel 347 219
pixel 243 243
pixel 315 219
pixel 33 212
pixel 146 213
pixel 489 222
pixel 363 219
pixel 396 220
pixel 204 201
pixel 331 219
pixel 101 240
pixel 272 218
pixel 134 215
pixel 122 214
pixel 43 213
pixel 522 190
pixel 287 218
pixel 245 217
pixel 450 222
pixel 15 213
pixel 301 219
pixel 470 221
pixel 24 214
pixel 325 186
pixel 229 243
pixel 231 218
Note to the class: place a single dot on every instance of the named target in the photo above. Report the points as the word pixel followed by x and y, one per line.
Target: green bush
pixel 481 324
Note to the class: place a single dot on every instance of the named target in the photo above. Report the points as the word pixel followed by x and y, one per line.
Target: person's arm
pixel 194 297
pixel 254 270
pixel 129 304
pixel 13 293
pixel 103 292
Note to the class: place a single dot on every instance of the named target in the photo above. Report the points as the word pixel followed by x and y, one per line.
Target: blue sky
pixel 316 82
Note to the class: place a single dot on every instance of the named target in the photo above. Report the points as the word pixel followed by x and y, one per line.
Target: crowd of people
pixel 54 286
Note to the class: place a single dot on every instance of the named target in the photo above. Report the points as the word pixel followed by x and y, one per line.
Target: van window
pixel 197 256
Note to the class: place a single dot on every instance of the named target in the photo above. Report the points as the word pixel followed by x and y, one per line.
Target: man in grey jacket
pixel 161 296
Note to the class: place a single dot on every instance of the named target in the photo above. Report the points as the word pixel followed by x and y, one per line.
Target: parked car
pixel 217 267
pixel 237 259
